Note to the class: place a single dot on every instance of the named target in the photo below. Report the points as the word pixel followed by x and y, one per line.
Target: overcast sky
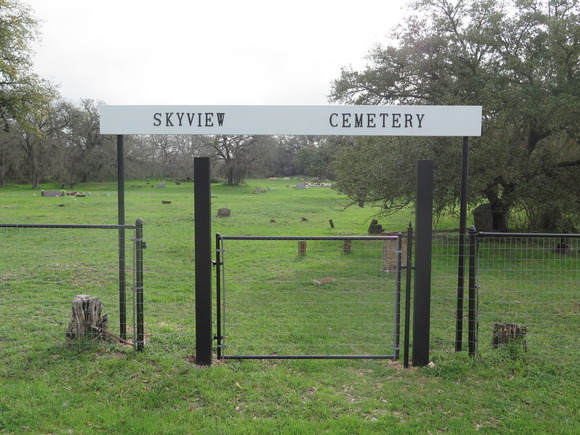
pixel 206 51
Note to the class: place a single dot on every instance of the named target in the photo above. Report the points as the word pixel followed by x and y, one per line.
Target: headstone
pixel 51 193
pixel 483 218
pixel 224 212
pixel 301 186
pixel 375 227
pixel 161 185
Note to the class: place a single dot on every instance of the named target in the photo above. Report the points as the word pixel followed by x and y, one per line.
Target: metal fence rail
pixel 45 266
pixel 309 297
pixel 529 295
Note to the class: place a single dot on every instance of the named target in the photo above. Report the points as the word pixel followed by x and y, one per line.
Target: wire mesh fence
pixel 529 296
pixel 169 281
pixel 282 297
pixel 444 284
pixel 528 300
pixel 321 297
pixel 45 267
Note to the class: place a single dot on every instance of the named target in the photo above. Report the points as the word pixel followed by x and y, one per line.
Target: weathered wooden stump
pixel 347 246
pixel 302 248
pixel 390 254
pixel 87 320
pixel 509 333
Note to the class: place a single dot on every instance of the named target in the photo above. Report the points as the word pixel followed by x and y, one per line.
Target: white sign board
pixel 294 120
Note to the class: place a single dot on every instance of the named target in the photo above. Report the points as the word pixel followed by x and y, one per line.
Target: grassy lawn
pixel 50 387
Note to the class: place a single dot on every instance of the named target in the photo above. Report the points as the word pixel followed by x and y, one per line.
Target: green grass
pixel 50 387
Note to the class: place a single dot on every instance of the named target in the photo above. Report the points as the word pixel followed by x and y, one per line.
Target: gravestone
pixel 51 193
pixel 161 185
pixel 224 212
pixel 375 227
pixel 483 218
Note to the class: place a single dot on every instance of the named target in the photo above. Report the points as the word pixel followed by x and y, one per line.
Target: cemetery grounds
pixel 51 387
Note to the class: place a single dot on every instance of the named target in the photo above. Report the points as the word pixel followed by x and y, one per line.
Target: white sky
pixel 206 51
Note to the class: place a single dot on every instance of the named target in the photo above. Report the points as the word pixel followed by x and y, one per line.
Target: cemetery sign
pixel 332 120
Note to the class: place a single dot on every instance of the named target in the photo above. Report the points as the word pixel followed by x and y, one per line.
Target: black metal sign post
pixel 423 248
pixel 121 217
pixel 203 262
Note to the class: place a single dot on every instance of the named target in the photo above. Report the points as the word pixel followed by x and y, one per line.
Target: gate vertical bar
pixel 121 221
pixel 424 242
pixel 218 295
pixel 139 246
pixel 203 264
pixel 461 255
pixel 397 344
pixel 408 279
pixel 472 310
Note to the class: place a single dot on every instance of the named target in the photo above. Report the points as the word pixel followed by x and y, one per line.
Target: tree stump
pixel 302 248
pixel 87 320
pixel 347 246
pixel 509 333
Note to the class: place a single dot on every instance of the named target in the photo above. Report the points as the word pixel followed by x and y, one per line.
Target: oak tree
pixel 519 59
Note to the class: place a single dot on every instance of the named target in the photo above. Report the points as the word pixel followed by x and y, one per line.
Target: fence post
pixel 139 246
pixel 424 241
pixel 203 263
pixel 218 296
pixel 472 310
pixel 398 296
pixel 408 278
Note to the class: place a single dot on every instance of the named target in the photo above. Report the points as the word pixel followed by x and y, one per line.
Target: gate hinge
pixel 216 337
pixel 215 263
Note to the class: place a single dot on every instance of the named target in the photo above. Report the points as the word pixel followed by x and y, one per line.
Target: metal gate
pixel 309 297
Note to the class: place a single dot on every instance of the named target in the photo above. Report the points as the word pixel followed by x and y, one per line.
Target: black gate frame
pixel 400 267
pixel 422 282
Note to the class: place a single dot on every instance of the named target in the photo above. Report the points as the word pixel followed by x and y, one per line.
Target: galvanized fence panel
pixel 45 266
pixel 318 297
pixel 529 295
pixel 444 290
pixel 169 296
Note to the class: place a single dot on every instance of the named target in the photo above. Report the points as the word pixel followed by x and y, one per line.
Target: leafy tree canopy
pixel 516 58
pixel 22 93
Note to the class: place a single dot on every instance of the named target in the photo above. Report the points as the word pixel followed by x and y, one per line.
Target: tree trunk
pixel 499 207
